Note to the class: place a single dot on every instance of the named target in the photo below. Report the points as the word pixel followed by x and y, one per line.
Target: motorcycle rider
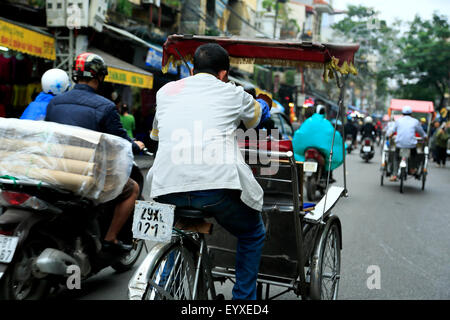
pixel 406 128
pixel 317 132
pixel 368 129
pixel 351 129
pixel 84 108
pixel 54 82
pixel 221 186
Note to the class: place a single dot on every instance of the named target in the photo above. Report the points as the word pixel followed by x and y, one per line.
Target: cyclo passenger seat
pixel 190 219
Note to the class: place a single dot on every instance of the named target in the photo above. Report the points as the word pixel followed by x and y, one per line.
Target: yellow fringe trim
pixel 327 74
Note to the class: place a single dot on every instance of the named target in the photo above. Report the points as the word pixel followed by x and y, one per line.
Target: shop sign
pixel 27 41
pixel 129 78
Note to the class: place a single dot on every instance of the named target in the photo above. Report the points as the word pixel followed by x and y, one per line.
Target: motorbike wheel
pixel 127 262
pixel 311 188
pixel 18 282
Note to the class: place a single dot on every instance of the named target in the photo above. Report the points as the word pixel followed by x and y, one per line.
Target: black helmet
pixel 88 65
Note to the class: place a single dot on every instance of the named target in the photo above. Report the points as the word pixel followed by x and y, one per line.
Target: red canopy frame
pixel 266 51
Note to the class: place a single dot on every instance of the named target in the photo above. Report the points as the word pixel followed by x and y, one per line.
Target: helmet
pixel 89 65
pixel 423 120
pixel 55 81
pixel 368 120
pixel 406 110
pixel 320 109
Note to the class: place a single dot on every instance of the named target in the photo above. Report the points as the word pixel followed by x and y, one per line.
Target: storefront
pixel 26 53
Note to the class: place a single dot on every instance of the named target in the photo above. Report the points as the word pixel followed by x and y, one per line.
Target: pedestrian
pixel 442 136
pixel 128 121
pixel 433 133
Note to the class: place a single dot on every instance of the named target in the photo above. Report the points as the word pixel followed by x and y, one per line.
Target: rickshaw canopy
pixel 416 105
pixel 286 53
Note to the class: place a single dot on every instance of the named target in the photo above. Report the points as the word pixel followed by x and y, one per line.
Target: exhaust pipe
pixel 52 261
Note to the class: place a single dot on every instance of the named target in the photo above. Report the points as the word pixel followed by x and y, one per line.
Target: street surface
pixel 404 236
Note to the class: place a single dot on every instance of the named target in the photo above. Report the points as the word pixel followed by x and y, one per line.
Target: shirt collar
pixel 85 87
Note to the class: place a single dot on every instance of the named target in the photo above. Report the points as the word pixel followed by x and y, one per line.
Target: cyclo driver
pixel 406 128
pixel 82 107
pixel 198 163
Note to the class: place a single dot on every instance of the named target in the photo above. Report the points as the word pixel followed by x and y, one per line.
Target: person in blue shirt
pixel 54 82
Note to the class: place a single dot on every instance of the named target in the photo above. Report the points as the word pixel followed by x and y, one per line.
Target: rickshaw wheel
pixel 325 273
pixel 402 178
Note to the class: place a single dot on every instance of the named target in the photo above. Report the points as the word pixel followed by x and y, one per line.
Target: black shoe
pixel 113 247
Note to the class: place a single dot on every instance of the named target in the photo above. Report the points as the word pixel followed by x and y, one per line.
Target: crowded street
pixel 253 154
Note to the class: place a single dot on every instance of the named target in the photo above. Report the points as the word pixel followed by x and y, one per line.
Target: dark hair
pixel 124 108
pixel 251 91
pixel 309 112
pixel 211 58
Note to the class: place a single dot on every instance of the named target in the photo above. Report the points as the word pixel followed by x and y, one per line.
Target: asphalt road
pixel 405 237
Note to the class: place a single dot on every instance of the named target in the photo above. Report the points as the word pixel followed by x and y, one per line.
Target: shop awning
pixel 27 39
pixel 124 73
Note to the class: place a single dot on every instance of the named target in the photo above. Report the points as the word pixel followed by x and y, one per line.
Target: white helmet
pixel 406 110
pixel 368 120
pixel 55 81
pixel 320 109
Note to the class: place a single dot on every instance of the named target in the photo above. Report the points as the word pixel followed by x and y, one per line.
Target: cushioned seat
pixel 190 213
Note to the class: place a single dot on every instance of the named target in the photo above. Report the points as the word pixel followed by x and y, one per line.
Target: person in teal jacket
pixel 317 132
pixel 54 82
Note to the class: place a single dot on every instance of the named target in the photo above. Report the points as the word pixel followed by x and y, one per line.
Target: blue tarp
pixel 317 132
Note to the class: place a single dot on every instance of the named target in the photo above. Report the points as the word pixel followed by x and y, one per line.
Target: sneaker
pixel 393 178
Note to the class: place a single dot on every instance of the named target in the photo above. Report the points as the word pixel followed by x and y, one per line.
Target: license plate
pixel 309 166
pixel 367 149
pixel 7 248
pixel 153 221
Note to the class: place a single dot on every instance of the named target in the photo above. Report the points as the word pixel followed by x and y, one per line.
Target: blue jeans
pixel 241 221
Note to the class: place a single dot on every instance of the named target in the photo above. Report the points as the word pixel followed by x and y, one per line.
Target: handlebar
pixel 268 153
pixel 148 153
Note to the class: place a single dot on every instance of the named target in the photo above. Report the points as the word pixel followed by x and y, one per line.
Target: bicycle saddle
pixel 190 213
pixel 192 220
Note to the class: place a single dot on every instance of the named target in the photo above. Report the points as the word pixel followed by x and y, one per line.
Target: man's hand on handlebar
pixel 266 98
pixel 140 144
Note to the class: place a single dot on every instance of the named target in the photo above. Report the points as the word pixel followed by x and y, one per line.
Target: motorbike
pixel 349 143
pixel 46 235
pixel 315 181
pixel 367 150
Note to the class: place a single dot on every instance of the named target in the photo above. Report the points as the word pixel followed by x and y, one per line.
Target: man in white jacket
pixel 198 163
